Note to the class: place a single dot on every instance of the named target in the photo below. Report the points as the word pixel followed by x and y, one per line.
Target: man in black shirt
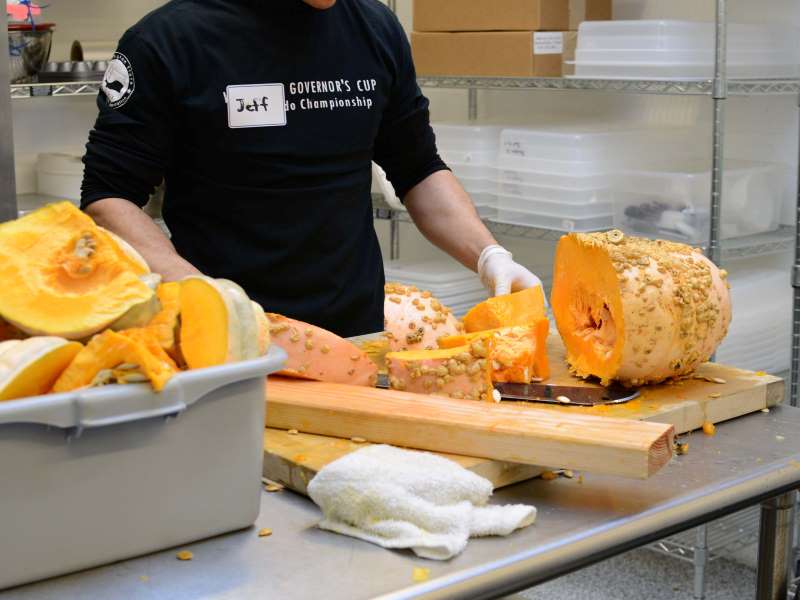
pixel 263 117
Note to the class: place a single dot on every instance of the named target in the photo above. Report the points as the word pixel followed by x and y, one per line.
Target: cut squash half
pixel 63 276
pixel 30 367
pixel 218 324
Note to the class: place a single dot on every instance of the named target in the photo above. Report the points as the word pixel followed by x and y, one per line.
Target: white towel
pixel 404 499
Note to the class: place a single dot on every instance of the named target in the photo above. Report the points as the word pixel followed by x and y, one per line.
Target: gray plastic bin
pixel 98 475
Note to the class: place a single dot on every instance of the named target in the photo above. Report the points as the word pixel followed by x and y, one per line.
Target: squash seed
pixel 184 555
pixel 293 432
pixel 264 532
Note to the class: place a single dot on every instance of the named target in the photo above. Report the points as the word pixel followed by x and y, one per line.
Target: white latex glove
pixel 501 275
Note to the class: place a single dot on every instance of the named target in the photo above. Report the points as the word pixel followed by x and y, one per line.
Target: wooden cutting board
pixel 293 460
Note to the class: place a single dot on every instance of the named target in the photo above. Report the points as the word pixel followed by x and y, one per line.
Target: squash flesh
pixel 510 310
pixel 62 275
pixel 208 324
pixel 31 366
pixel 519 353
pixel 165 323
pixel 111 350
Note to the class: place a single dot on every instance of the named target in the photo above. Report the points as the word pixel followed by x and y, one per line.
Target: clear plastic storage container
pixel 673 201
pixel 646 49
pixel 103 474
pixel 454 136
pixel 557 221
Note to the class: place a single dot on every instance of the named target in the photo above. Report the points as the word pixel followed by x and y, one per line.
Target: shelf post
pixel 8 192
pixel 794 392
pixel 719 95
pixel 472 104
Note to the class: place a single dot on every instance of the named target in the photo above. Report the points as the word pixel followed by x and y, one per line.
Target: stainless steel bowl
pixel 28 51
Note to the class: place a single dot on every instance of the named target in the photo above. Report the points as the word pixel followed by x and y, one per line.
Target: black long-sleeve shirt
pixel 263 117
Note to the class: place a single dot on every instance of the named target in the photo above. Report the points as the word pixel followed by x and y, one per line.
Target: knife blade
pixel 553 394
pixel 565 395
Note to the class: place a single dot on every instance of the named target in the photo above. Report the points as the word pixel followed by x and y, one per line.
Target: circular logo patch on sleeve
pixel 118 82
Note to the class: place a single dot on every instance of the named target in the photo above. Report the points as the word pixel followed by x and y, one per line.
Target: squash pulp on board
pixel 218 324
pixel 321 355
pixel 460 372
pixel 519 354
pixel 519 308
pixel 635 310
pixel 111 357
pixel 64 276
pixel 413 319
pixel 30 367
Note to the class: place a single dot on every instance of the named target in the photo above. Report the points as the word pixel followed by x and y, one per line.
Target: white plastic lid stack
pixel 758 338
pixel 456 136
pixel 683 49
pixel 452 284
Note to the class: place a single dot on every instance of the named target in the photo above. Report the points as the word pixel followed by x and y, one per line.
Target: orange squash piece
pixel 517 309
pixel 635 310
pixel 165 324
pixel 459 372
pixel 318 354
pixel 519 353
pixel 127 357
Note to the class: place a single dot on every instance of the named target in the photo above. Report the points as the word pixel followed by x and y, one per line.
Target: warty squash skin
pixel 634 310
pixel 64 276
pixel 414 320
pixel 519 354
pixel 217 324
pixel 320 355
pixel 262 324
pixel 30 367
pixel 461 372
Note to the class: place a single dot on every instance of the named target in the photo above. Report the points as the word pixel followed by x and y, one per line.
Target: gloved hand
pixel 500 274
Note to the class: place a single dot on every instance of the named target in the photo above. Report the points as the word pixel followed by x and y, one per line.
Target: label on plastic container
pixel 548 42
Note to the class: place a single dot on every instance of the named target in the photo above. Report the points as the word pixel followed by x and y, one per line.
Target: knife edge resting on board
pixel 520 434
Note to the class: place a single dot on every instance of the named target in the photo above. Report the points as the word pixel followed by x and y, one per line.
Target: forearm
pixel 444 213
pixel 129 222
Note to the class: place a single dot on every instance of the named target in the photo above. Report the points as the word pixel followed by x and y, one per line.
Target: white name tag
pixel 257 105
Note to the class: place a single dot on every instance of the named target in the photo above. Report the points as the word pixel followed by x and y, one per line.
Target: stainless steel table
pixel 750 460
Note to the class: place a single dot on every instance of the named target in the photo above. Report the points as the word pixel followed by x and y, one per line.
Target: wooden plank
pixel 513 433
pixel 686 404
pixel 293 460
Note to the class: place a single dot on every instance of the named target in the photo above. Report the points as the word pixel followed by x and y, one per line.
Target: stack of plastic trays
pixel 759 338
pixel 671 199
pixel 668 49
pixel 471 152
pixel 559 177
pixel 452 284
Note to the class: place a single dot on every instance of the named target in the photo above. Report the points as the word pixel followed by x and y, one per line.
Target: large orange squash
pixel 635 310
pixel 62 275
pixel 518 309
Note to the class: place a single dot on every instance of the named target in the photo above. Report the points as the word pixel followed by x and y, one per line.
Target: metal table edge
pixel 525 569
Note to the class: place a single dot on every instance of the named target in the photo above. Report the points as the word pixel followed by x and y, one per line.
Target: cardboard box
pixel 493 53
pixel 492 15
pixel 588 10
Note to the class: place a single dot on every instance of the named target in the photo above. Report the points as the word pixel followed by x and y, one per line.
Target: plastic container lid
pixel 31 27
